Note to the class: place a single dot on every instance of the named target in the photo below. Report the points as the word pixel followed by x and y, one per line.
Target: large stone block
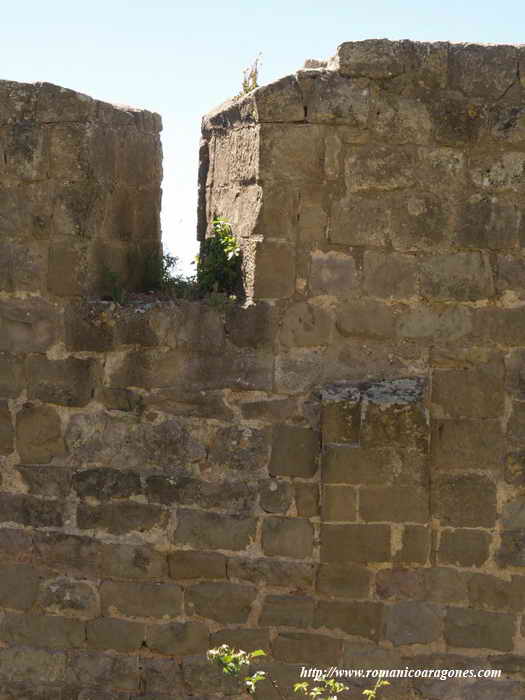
pixel 333 274
pixel 186 564
pixel 34 666
pixel 51 482
pixel 415 545
pixel 467 444
pixel 479 629
pixel 27 325
pixel 39 434
pixel 355 543
pixel 413 622
pixel 306 324
pixel 119 635
pixel 287 611
pixel 275 270
pixel 223 602
pixel 295 451
pixel 469 393
pixel 142 599
pixel 484 71
pixel 444 323
pixel 389 275
pixel 363 619
pixel 207 530
pixel 42 631
pixel 339 504
pixel 162 676
pixel 103 671
pixel 120 518
pixel 464 547
pixel 464 500
pixel 359 220
pixel 7 432
pixel 11 375
pixel 492 222
pixel 344 580
pixel 293 575
pixel 487 592
pixel 67 382
pixel 19 586
pixel 178 638
pixel 104 484
pixel 287 537
pixel 401 424
pixel 459 276
pixel 28 510
pixel 131 562
pixel 394 503
pixel 355 465
pixel 307 499
pixel 297 647
pixel 366 318
pixel 512 549
pixel 69 597
pixel 340 421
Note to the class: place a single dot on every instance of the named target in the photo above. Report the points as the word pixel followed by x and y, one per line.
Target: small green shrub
pixel 250 79
pixel 219 264
pixel 233 662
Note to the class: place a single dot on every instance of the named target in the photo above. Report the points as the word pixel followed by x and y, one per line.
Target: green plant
pixel 113 285
pixel 158 270
pixel 233 661
pixel 250 77
pixel 219 264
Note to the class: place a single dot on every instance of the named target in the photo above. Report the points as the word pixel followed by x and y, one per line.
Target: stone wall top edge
pixel 44 101
pixel 478 70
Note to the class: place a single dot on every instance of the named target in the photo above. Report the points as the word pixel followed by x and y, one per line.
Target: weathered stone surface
pixel 11 375
pixel 127 561
pixel 274 271
pixel 460 276
pixel 28 510
pixel 491 222
pixel 354 465
pixel 27 325
pixel 287 537
pixel 355 543
pixel 224 602
pixel 52 482
pixel 69 597
pixel 467 444
pixel 294 451
pixel 394 503
pixel 305 325
pixel 469 393
pixel 333 274
pixel 106 484
pixel 162 676
pixel 122 599
pixel 208 530
pixel 448 322
pixel 343 580
pixel 32 665
pixel 276 496
pixel 39 434
pixel 186 564
pixel 103 670
pixel 119 518
pixel 120 635
pixel 88 327
pixel 67 382
pixel 42 631
pixel 464 500
pixel 464 547
pixel 479 629
pixel 307 499
pixel 294 575
pixel 445 585
pixel 204 678
pixel 19 586
pixel 415 545
pixel 413 622
pixel 241 638
pixel 399 424
pixel 296 647
pixel 400 584
pixel 389 275
pixel 515 468
pixel 287 611
pixel 241 448
pixel 366 319
pixel 341 421
pixel 339 504
pixel 512 550
pixel 7 432
pixel 252 326
pixel 179 638
pixel 488 592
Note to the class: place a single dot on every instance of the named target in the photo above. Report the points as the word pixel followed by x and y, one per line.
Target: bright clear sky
pixel 183 58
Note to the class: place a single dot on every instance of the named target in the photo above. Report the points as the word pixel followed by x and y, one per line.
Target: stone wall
pixel 335 473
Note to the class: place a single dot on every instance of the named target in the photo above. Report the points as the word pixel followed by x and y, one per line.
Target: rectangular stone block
pixel 32 665
pixel 11 375
pixel 344 580
pixel 119 635
pixel 39 434
pixel 389 275
pixel 477 629
pixel 333 274
pixel 287 537
pixel 131 562
pixel 119 518
pixel 394 503
pixel 295 451
pixel 307 499
pixel 187 564
pixel 122 599
pixel 49 482
pixel 19 585
pixel 464 547
pixel 162 676
pixel 488 592
pixel 459 276
pixel 395 424
pixel 68 382
pixel 415 545
pixel 208 530
pixel 366 318
pixel 287 611
pixel 339 504
pixel 28 510
pixel 355 543
pixel 469 393
pixel 512 549
pixel 340 421
pixel 224 602
pixel 178 638
pixel 42 631
pixel 363 619
pixel 27 325
pixel 355 465
pixel 464 500
pixel 413 622
pixel 467 444
pixel 303 648
pixel 273 572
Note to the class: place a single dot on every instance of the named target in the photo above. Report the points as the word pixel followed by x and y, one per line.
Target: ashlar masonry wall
pixel 334 473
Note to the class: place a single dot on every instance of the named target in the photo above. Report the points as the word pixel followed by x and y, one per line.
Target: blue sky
pixel 181 59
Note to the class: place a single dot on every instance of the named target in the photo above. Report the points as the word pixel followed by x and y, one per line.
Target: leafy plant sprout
pixel 250 79
pixel 233 661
